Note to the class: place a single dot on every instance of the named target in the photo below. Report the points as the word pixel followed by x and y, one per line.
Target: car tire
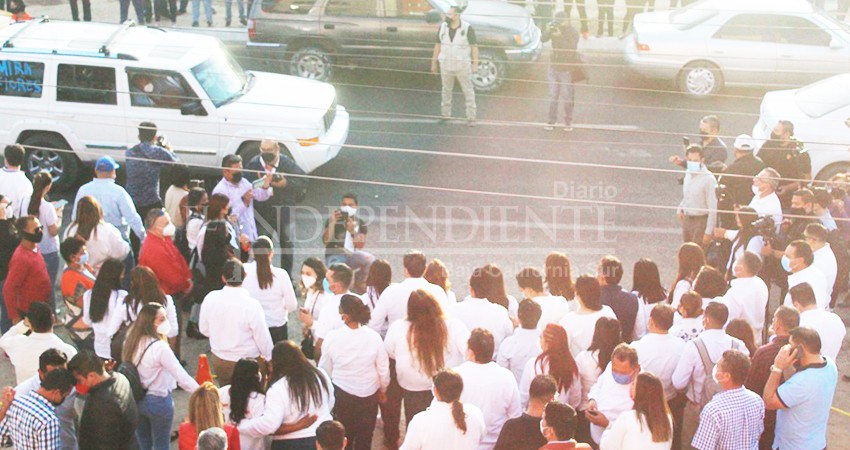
pixel 491 73
pixel 62 163
pixel 831 170
pixel 700 79
pixel 314 63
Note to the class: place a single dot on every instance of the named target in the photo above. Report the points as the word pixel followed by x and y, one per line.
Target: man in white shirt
pixel 799 260
pixel 488 386
pixel 524 344
pixel 765 201
pixel 235 324
pixel 339 277
pixel 747 296
pixel 554 307
pixel 392 304
pixel 23 350
pixel 476 312
pixel 611 395
pixel 825 261
pixel 829 326
pixel 691 372
pixel 242 194
pixel 13 181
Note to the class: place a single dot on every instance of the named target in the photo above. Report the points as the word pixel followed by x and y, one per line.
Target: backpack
pixel 709 387
pixel 131 373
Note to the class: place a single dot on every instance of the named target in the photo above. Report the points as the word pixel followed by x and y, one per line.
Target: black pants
pixel 75 12
pixel 391 410
pixel 606 15
pixel 582 12
pixel 583 430
pixel 165 9
pixel 415 402
pixel 358 415
pixel 279 334
pixel 677 409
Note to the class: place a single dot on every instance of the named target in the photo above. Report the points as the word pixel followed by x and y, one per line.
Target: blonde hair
pixel 205 408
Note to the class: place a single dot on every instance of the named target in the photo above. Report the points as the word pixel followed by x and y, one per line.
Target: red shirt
pixel 26 283
pixel 188 436
pixel 565 445
pixel 162 256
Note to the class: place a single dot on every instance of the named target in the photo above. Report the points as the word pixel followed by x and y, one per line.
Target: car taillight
pixel 252 29
pixel 642 47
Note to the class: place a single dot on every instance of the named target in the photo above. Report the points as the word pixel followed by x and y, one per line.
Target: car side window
pixel 358 8
pixel 800 31
pixel 745 27
pixel 154 89
pixel 21 78
pixel 287 6
pixel 86 84
pixel 406 8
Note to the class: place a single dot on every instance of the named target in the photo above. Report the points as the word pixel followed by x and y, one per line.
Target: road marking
pixel 390 119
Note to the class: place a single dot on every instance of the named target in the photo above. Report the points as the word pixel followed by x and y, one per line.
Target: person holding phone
pixel 345 231
pixel 714 147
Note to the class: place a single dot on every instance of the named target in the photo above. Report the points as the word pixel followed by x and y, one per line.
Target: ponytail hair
pixel 352 306
pixel 263 258
pixel 40 182
pixel 449 386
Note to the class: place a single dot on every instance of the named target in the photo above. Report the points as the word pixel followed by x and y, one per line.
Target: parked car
pixel 71 92
pixel 820 113
pixel 715 43
pixel 318 36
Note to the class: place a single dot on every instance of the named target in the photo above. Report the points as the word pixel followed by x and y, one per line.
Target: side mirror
pixel 193 108
pixel 835 44
pixel 433 16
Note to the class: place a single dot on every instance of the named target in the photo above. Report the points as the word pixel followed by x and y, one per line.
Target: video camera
pixel 766 228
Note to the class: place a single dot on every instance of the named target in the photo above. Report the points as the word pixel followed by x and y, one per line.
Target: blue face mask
pixel 621 378
pixel 325 285
pixel 84 259
pixel 693 166
pixel 786 263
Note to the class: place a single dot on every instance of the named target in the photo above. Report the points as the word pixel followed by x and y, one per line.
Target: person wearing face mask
pixel 698 209
pixel 765 201
pixel 456 57
pixel 714 149
pixel 734 418
pixel 736 180
pixel 146 346
pixel 27 281
pixel 789 158
pixel 798 260
pixel 76 280
pixel 161 255
pixel 345 231
pixel 748 294
pixel 9 241
pixel 242 194
pixel 611 395
pixel 558 426
pixel 30 421
pixel 648 426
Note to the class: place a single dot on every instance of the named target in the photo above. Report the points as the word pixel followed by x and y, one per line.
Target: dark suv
pixel 316 36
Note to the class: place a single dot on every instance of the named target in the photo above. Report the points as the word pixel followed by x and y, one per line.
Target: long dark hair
pixel 709 282
pixel 646 281
pixel 559 275
pixel 494 282
pixel 142 327
pixel 449 385
pixel 40 182
pixel 436 273
pixel 321 270
pixel 651 405
pixel 691 258
pixel 263 257
pixel 747 216
pixel 428 336
pixel 380 277
pixel 89 216
pixel 217 205
pixel 144 288
pixel 108 280
pixel 742 330
pixel 245 381
pixel 606 336
pixel 305 381
pixel 353 307
pixel 562 366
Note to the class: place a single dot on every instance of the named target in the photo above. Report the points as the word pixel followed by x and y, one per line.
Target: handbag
pixel 307 347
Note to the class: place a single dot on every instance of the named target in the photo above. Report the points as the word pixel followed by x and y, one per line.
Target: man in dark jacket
pixel 110 417
pixel 562 66
pixel 624 304
pixel 786 155
pixel 739 186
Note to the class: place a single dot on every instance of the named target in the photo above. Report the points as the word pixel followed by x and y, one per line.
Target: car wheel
pixel 833 169
pixel 491 73
pixel 45 152
pixel 700 79
pixel 311 62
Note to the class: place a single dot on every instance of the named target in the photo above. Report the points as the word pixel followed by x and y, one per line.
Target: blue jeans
pixel 51 260
pixel 138 6
pixel 196 10
pixel 228 5
pixel 155 416
pixel 561 87
pixel 295 444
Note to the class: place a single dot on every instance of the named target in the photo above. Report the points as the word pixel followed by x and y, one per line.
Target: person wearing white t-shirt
pixel 340 278
pixel 103 303
pixel 748 294
pixel 611 395
pixel 272 287
pixel 829 325
pixel 243 399
pixel 581 324
pixel 524 344
pixel 554 307
pixel 825 261
pixel 595 359
pixel 765 201
pixel 556 361
pixel 488 386
pixel 23 350
pixel 14 183
pixel 799 260
pixel 477 312
pixel 392 304
pixel 649 426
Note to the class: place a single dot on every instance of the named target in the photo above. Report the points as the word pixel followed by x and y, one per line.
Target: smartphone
pixel 343 216
pixel 686 141
pixel 259 182
pixel 60 204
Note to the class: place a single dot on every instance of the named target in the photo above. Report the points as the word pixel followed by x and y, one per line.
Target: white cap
pixel 744 143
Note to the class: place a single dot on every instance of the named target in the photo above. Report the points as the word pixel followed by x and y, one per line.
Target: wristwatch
pixel 776 369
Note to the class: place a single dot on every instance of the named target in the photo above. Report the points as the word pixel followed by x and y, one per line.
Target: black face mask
pixel 35 236
pixel 229 212
pixel 236 177
pixel 774 136
pixel 268 158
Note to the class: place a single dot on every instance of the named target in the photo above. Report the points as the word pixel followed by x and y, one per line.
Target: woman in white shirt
pixel 687 323
pixel 437 274
pixel 691 258
pixel 176 203
pixel 581 324
pixel 744 239
pixel 448 423
pixel 103 240
pixel 593 361
pixel 102 303
pixel 379 279
pixel 243 399
pixel 647 287
pixel 557 362
pixel 297 390
pixel 422 344
pixel 494 291
pixel 709 284
pixel 649 426
pixel 358 365
pixel 198 200
pixel 313 273
pixel 144 289
pixel 146 347
pixel 50 218
pixel 272 287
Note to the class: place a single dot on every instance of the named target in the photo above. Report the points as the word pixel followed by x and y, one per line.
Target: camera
pixel 160 141
pixel 766 228
pixel 722 192
pixel 554 25
pixel 343 216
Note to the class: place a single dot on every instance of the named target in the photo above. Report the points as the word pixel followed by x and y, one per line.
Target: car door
pixel 744 50
pixel 410 39
pixel 157 96
pixel 355 26
pixel 805 51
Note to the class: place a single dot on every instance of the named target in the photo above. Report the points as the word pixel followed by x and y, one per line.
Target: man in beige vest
pixel 457 52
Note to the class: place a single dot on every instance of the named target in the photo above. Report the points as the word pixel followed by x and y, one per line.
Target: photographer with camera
pixel 563 63
pixel 748 237
pixel 345 231
pixel 765 201
pixel 789 158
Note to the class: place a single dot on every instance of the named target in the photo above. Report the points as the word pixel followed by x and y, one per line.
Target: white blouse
pixel 410 375
pixel 103 330
pixel 105 242
pixel 256 406
pixel 589 371
pixel 628 432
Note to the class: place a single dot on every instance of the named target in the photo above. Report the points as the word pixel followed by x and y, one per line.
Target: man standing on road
pixel 713 147
pixel 457 52
pixel 738 179
pixel 698 208
pixel 561 64
pixel 785 154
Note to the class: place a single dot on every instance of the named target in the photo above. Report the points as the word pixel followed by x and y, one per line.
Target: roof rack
pixel 104 49
pixel 40 20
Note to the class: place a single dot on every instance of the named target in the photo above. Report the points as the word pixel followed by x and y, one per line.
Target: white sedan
pixel 820 113
pixel 715 43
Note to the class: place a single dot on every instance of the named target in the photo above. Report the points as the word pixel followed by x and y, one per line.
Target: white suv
pixel 84 88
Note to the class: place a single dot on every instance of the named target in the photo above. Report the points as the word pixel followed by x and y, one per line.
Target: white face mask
pixel 756 190
pixel 169 230
pixel 164 328
pixel 309 281
pixel 348 209
pixel 148 88
pixel 714 374
pixel 542 428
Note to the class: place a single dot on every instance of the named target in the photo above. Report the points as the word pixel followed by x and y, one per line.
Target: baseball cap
pixel 744 143
pixel 106 164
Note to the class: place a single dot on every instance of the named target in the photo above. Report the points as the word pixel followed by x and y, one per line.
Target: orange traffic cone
pixel 204 372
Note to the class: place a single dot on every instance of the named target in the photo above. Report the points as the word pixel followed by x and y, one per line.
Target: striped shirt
pixel 732 420
pixel 31 424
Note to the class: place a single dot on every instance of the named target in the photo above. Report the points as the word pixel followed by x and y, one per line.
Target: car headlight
pixel 520 39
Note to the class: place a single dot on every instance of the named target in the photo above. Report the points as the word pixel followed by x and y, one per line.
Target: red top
pixel 162 256
pixel 26 283
pixel 188 436
pixel 565 445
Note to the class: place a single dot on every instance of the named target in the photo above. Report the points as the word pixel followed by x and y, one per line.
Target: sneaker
pixel 568 128
pixel 195 24
pixel 549 126
pixel 470 123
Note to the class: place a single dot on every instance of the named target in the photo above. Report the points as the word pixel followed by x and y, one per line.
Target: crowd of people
pixel 577 362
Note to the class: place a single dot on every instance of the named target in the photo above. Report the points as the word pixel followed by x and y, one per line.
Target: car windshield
pixel 824 97
pixel 444 5
pixel 691 16
pixel 221 77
